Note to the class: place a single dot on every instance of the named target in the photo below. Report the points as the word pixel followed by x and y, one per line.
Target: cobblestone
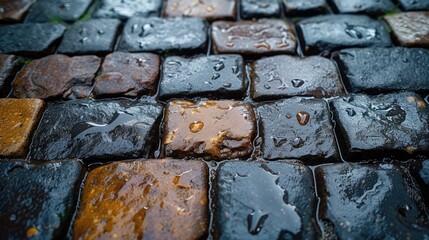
pixel 214 119
pixel 155 199
pixel 37 200
pixel 57 76
pixel 219 76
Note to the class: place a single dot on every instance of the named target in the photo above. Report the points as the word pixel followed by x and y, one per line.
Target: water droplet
pixel 1 10
pixel 278 142
pixel 230 44
pixel 262 44
pixel 266 86
pixel 12 217
pixel 101 32
pixel 219 66
pixel 351 112
pixel 288 115
pixel 134 28
pixel 303 118
pixel 360 32
pixel 297 83
pixel 83 40
pixel 209 9
pixel 348 99
pixel 255 221
pixel 297 142
pixel 82 31
pixel 215 76
pixel 196 126
pixel 141 61
pixel 235 69
pixel 227 85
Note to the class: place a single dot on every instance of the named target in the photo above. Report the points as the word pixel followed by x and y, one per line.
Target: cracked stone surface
pixel 57 76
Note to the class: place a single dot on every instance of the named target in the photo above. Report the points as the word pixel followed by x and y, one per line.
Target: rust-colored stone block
pixel 145 199
pixel 14 10
pixel 18 120
pixel 209 9
pixel 210 129
pixel 57 76
pixel 128 74
pixel 410 29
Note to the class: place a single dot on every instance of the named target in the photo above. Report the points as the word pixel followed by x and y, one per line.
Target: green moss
pixel 24 60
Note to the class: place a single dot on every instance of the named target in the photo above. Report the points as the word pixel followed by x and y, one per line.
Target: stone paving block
pixel 259 8
pixel 286 76
pixel 97 130
pixel 96 36
pixel 420 172
pixel 367 202
pixel 37 201
pixel 333 32
pixel 212 130
pixel 30 38
pixel 216 76
pixel 377 70
pixel 371 7
pixel 145 199
pixel 128 74
pixel 410 29
pixel 208 9
pixel 307 7
pixel 254 38
pixel 18 118
pixel 410 5
pixel 264 201
pixel 173 35
pixel 392 125
pixel 127 9
pixel 9 65
pixel 57 76
pixel 57 10
pixel 297 128
pixel 14 11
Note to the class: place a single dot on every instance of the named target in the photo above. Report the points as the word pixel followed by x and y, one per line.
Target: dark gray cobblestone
pixel 262 105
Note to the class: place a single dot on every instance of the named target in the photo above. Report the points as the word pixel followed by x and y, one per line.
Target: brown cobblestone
pixel 18 118
pixel 153 199
pixel 410 29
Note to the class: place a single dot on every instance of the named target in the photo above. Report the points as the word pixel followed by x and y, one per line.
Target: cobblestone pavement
pixel 214 119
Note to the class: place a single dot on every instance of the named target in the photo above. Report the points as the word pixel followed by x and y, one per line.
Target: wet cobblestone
pixel 214 119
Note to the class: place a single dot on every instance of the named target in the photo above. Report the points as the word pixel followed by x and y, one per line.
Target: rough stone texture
pixel 128 74
pixel 97 130
pixel 259 8
pixel 420 172
pixel 57 76
pixel 208 9
pixel 297 128
pixel 333 32
pixel 18 119
pixel 409 5
pixel 9 65
pixel 57 10
pixel 173 35
pixel 96 36
pixel 368 202
pixel 38 201
pixel 127 9
pixel 392 125
pixel 410 29
pixel 145 199
pixel 215 76
pixel 210 129
pixel 30 38
pixel 261 37
pixel 264 201
pixel 286 76
pixel 14 11
pixel 307 7
pixel 376 70
pixel 371 7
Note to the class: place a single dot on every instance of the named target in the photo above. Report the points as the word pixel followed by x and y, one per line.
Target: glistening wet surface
pixel 214 119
